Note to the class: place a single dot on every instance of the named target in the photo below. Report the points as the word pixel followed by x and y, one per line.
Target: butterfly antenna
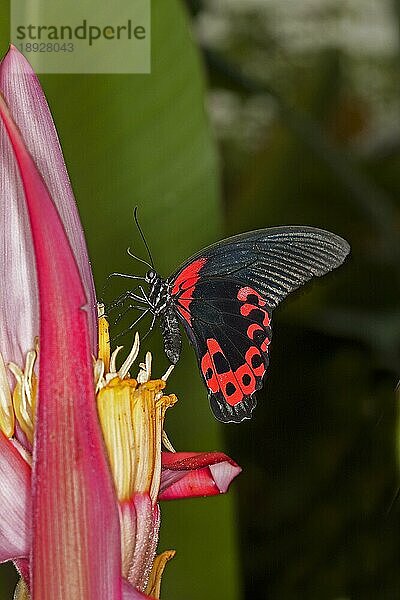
pixel 129 251
pixel 142 236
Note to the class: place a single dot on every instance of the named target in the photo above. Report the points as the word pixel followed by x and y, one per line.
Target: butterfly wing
pixel 225 294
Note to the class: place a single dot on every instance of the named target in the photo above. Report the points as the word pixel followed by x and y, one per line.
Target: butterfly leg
pixel 150 328
pixel 125 296
pixel 145 296
pixel 127 309
pixel 117 274
pixel 132 325
pixel 119 300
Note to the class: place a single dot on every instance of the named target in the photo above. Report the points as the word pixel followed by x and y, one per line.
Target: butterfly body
pixel 223 297
pixel 161 305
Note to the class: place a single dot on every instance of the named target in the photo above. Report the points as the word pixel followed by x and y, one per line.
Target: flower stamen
pixel 104 337
pixel 168 372
pixel 167 442
pixel 29 382
pixel 144 374
pixel 98 372
pixel 153 587
pixel 113 360
pixel 7 418
pixel 132 356
pixel 19 404
pixel 24 394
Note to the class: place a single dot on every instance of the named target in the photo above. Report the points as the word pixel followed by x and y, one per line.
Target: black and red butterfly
pixel 224 296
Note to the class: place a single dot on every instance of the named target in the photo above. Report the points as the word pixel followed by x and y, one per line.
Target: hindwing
pixel 231 332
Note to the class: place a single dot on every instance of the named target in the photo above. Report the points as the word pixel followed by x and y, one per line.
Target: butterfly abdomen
pixel 171 334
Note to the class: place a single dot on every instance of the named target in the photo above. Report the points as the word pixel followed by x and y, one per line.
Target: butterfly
pixel 223 297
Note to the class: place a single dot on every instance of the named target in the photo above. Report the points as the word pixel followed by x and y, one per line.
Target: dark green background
pixel 312 515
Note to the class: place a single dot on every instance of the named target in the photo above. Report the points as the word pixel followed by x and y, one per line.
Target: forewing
pixel 273 261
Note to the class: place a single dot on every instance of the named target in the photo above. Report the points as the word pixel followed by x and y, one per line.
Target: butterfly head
pixel 151 277
pixel 158 294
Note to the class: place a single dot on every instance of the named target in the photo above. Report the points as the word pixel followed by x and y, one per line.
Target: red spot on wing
pixel 246 379
pixel 184 286
pixel 254 358
pixel 265 344
pixel 207 368
pixel 247 309
pixel 251 331
pixel 244 293
pixel 253 304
